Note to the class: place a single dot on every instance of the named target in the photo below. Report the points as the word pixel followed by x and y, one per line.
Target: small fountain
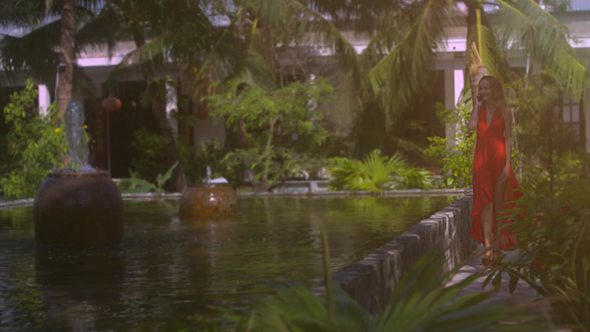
pixel 79 206
pixel 214 198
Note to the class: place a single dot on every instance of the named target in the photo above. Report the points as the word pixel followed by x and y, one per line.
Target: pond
pixel 170 274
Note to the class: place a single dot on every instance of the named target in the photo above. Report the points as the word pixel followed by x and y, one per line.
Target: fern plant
pixel 375 173
pixel 136 184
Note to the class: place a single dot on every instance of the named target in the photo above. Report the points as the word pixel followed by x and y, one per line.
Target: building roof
pixel 580 5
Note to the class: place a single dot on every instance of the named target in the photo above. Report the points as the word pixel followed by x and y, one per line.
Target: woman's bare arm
pixel 476 76
pixel 472 124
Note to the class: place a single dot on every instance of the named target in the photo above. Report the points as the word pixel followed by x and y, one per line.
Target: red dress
pixel 489 161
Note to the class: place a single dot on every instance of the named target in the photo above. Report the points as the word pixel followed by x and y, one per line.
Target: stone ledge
pixel 372 279
pixel 306 191
pixel 9 204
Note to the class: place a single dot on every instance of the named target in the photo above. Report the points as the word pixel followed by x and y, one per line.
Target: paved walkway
pixel 523 296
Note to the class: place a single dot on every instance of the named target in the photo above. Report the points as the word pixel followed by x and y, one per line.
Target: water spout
pixel 208 177
pixel 76 137
pixel 209 180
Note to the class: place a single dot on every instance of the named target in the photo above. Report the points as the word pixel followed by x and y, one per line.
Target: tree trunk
pixel 268 49
pixel 471 21
pixel 66 55
pixel 159 111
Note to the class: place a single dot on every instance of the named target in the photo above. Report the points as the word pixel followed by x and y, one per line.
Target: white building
pixel 449 76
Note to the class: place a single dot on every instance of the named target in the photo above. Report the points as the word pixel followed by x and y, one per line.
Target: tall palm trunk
pixel 159 112
pixel 471 22
pixel 66 55
pixel 268 49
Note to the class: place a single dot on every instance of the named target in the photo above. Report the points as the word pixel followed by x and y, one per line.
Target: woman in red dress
pixel 495 187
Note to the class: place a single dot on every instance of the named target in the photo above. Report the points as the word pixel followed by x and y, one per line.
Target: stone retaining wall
pixel 371 280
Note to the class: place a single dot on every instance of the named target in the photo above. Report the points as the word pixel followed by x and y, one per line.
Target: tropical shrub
pixel 375 173
pixel 209 154
pixel 455 154
pixel 552 225
pixel 136 184
pixel 554 246
pixel 149 151
pixel 34 144
pixel 277 127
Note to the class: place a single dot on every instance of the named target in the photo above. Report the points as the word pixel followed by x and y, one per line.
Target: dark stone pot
pixel 77 210
pixel 208 201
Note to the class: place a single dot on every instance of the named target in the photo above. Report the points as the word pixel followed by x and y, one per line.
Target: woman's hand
pixel 476 73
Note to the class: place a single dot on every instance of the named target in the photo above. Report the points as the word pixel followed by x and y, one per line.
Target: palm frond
pixel 404 71
pixel 320 31
pixel 360 15
pixel 189 33
pixel 423 302
pixel 273 12
pixel 152 51
pixel 102 29
pixel 494 57
pixel 33 51
pixel 546 39
pixel 254 71
pixel 328 35
pixel 384 41
pixel 297 23
pixel 21 13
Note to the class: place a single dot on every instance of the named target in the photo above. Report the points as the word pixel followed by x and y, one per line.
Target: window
pixel 570 116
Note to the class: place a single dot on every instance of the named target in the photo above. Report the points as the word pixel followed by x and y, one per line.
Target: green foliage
pixel 375 173
pixel 136 184
pixel 149 154
pixel 284 164
pixel 210 153
pixel 454 154
pixel 422 301
pixel 554 242
pixel 276 126
pixel 371 174
pixel 414 177
pixel 546 142
pixel 552 223
pixel 34 145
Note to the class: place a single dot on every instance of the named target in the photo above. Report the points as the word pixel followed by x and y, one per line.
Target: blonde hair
pixel 496 87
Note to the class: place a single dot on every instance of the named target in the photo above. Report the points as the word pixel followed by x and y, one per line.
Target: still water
pixel 171 274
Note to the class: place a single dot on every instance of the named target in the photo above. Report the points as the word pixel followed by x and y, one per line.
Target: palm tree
pixel 268 27
pixel 395 66
pixel 162 32
pixel 52 31
pixel 65 51
pixel 407 52
pixel 102 22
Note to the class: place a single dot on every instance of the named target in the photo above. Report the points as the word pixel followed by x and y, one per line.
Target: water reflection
pixel 169 272
pixel 79 287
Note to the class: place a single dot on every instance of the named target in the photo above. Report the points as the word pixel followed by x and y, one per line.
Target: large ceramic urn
pixel 78 209
pixel 208 201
